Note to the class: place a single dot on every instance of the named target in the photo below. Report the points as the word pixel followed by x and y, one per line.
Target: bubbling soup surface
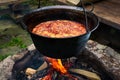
pixel 59 29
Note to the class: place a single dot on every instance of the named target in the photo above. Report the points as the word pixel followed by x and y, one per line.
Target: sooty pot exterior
pixel 59 47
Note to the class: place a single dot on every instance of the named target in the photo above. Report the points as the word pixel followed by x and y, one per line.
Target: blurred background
pixel 13 37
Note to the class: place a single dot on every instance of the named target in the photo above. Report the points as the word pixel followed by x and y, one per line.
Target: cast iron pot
pixel 59 47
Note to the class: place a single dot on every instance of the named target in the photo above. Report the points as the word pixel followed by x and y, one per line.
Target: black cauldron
pixel 59 47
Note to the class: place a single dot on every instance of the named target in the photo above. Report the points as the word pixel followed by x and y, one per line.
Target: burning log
pixel 43 66
pixel 88 74
pixel 57 65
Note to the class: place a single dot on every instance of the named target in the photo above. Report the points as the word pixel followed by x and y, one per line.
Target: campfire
pixel 55 66
pixel 46 68
pixel 62 68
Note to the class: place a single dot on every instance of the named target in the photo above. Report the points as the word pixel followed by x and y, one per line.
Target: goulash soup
pixel 59 29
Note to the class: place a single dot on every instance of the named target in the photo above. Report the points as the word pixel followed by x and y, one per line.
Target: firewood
pixel 74 2
pixel 30 71
pixel 88 74
pixel 43 66
pixel 77 2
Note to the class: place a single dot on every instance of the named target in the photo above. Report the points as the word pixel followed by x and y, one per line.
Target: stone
pixel 5 68
pixel 19 55
pixel 109 51
pixel 99 55
pixel 108 58
pixel 99 46
pixel 117 56
pixel 31 47
pixel 100 51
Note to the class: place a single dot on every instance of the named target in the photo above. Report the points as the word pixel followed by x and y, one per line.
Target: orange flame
pixel 57 65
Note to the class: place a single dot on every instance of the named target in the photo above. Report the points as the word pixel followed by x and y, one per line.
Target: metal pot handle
pixel 92 7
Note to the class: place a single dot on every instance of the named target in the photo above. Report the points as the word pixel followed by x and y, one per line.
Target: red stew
pixel 59 29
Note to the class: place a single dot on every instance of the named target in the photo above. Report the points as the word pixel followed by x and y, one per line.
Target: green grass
pixel 36 2
pixel 15 41
pixel 3 56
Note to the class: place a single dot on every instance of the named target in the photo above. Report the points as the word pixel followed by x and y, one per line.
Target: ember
pixel 47 77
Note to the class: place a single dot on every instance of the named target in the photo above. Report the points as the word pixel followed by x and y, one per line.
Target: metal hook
pixel 39 3
pixel 92 8
pixel 86 19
